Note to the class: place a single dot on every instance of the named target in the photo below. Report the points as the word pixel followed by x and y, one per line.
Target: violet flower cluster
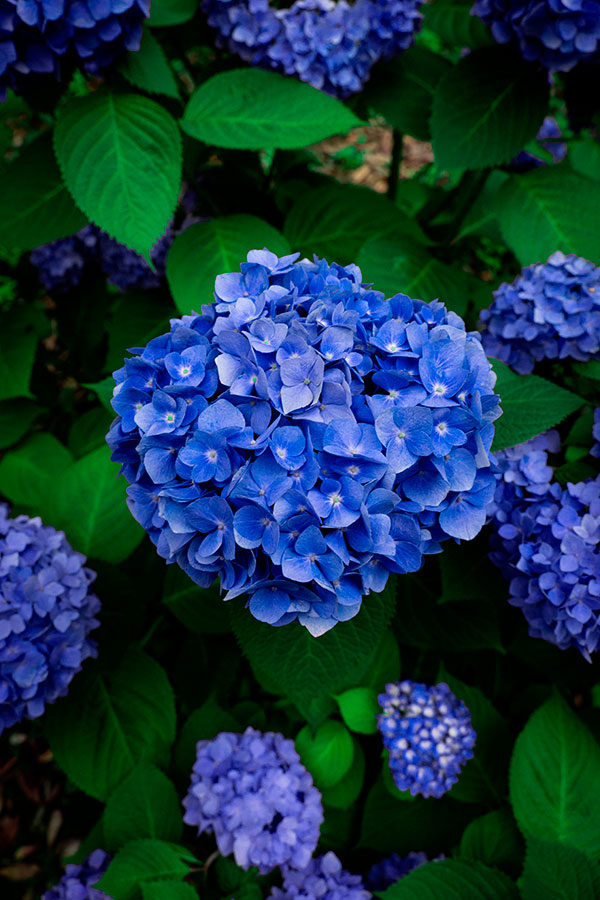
pixel 550 311
pixel 548 139
pixel 322 879
pixel 389 870
pixel 428 734
pixel 37 36
pixel 304 437
pixel 595 451
pixel 46 615
pixel 331 45
pixel 556 33
pixel 78 881
pixel 62 264
pixel 254 794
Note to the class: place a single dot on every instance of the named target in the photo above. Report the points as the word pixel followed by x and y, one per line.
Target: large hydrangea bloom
pixel 550 311
pixel 428 734
pixel 62 264
pixel 331 45
pixel 557 33
pixel 322 879
pixel 254 794
pixel 46 615
pixel 304 437
pixel 37 35
pixel 78 881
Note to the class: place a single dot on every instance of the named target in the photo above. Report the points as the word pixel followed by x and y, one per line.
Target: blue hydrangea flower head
pixel 303 437
pixel 428 734
pixel 252 792
pixel 331 45
pixel 548 139
pixel 78 881
pixel 322 879
pixel 556 33
pixel 37 37
pixel 389 870
pixel 62 264
pixel 595 451
pixel 550 311
pixel 46 615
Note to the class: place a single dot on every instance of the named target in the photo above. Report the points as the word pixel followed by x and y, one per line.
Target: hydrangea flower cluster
pixel 37 35
pixel 304 437
pixel 550 311
pixel 392 868
pixel 548 139
pixel 428 734
pixel 331 45
pixel 557 33
pixel 595 451
pixel 77 882
pixel 254 794
pixel 46 615
pixel 322 879
pixel 61 264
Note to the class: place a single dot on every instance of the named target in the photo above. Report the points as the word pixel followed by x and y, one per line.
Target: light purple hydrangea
pixel 322 879
pixel 252 792
pixel 78 881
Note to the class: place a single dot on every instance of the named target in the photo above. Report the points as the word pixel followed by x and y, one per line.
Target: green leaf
pixel 252 109
pixel 452 22
pixel 87 501
pixel 171 12
pixel 136 318
pixel 584 157
pixel 121 159
pixel 343 794
pixel 203 724
pixel 493 839
pixel 402 91
pixel 139 862
pixel 18 343
pixel 359 707
pixel 327 754
pixel 30 472
pixel 35 205
pixel 201 610
pixel 148 69
pixel 401 265
pixel 556 872
pixel 104 392
pixel 16 418
pixel 386 663
pixel 335 221
pixel 555 779
pixel 111 721
pixel 208 249
pixel 329 664
pixel 589 369
pixel 485 111
pixel 88 431
pixel 168 890
pixel 530 406
pixel 535 220
pixel 452 879
pixel 145 804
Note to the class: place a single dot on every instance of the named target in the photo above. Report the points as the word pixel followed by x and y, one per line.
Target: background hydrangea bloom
pixel 35 35
pixel 548 140
pixel 322 879
pixel 304 437
pixel 428 734
pixel 331 45
pixel 46 616
pixel 77 882
pixel 557 33
pixel 389 870
pixel 254 794
pixel 61 265
pixel 550 311
pixel 595 451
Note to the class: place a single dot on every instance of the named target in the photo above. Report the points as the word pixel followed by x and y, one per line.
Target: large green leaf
pixel 148 69
pixel 359 708
pixel 451 879
pixel 557 872
pixel 201 610
pixel 111 721
pixel 328 753
pixel 547 210
pixel 402 91
pixel 29 473
pixel 18 343
pixel 530 406
pixel 139 862
pixel 451 21
pixel 121 159
pixel 252 109
pixel 136 318
pixel 16 417
pixel 345 792
pixel 208 249
pixel 555 779
pixel 168 890
pixel 145 804
pixel 88 501
pixel 485 111
pixel 329 664
pixel 35 205
pixel 172 12
pixel 493 839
